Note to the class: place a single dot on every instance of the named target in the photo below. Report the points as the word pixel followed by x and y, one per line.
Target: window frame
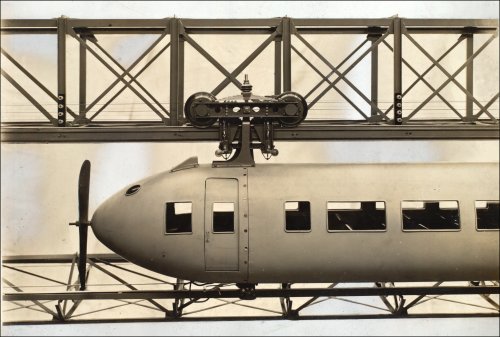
pixel 429 230
pixel 165 218
pixel 357 231
pixel 234 217
pixel 310 217
pixel 475 217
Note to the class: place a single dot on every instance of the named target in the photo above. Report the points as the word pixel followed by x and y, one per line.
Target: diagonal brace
pixel 483 110
pixel 245 63
pixel 427 70
pixel 339 65
pixel 450 77
pixel 326 79
pixel 130 81
pixel 33 78
pixel 38 303
pixel 210 59
pixel 120 77
pixel 133 79
pixel 421 78
pixel 341 76
pixel 119 279
pixel 29 97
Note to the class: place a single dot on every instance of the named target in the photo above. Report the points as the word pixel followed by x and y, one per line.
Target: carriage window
pixel 356 216
pixel 223 217
pixel 178 217
pixel 430 215
pixel 487 215
pixel 297 216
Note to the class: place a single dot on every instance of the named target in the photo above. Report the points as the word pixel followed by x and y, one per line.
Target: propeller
pixel 83 220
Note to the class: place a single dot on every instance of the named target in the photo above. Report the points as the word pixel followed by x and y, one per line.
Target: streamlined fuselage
pixel 309 222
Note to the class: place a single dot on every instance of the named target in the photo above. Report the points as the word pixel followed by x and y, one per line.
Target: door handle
pixel 207 233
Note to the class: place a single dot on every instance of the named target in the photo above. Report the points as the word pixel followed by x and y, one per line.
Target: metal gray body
pixel 260 250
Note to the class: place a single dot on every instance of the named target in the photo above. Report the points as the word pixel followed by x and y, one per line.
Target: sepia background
pixel 39 181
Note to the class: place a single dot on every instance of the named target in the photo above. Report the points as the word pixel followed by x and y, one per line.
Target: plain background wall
pixel 39 180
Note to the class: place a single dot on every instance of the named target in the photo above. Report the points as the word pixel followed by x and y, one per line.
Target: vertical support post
pixel 180 79
pixel 287 55
pixel 398 72
pixel 83 80
pixel 374 74
pixel 469 116
pixel 174 70
pixel 277 66
pixel 61 71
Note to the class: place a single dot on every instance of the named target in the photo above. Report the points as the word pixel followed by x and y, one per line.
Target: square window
pixel 223 217
pixel 178 217
pixel 487 213
pixel 297 216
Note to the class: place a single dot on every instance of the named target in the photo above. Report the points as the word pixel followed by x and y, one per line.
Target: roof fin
pixel 191 162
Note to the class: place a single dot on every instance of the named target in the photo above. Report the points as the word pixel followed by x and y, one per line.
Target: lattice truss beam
pixel 45 288
pixel 295 46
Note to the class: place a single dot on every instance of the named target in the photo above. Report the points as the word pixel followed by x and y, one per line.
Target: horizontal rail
pixel 58 258
pixel 306 131
pixel 259 293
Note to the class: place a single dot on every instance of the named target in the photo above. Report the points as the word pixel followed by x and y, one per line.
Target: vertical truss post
pixel 398 72
pixel 180 79
pixel 374 73
pixel 61 71
pixel 277 65
pixel 287 55
pixel 469 78
pixel 82 99
pixel 174 70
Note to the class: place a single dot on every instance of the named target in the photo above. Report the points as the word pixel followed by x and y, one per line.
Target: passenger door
pixel 221 225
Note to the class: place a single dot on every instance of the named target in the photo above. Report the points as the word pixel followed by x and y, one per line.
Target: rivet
pixel 60 121
pixel 60 106
pixel 399 120
pixel 245 230
pixel 398 112
pixel 399 105
pixel 60 114
pixel 60 98
pixel 398 96
pixel 245 262
pixel 245 215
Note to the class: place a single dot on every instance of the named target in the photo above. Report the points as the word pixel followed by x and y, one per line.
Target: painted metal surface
pixel 133 226
pixel 284 32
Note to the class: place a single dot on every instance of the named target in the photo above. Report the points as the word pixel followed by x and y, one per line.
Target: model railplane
pixel 336 223
pixel 249 224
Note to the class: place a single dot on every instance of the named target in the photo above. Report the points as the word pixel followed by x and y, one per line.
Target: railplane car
pixel 309 222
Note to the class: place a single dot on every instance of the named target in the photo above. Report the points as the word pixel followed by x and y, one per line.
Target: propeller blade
pixel 83 192
pixel 83 209
pixel 82 257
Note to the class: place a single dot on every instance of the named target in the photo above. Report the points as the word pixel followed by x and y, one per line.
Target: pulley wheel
pixel 194 111
pixel 296 113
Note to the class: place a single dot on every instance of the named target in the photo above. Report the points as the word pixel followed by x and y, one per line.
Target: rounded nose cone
pixel 127 222
pixel 103 224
